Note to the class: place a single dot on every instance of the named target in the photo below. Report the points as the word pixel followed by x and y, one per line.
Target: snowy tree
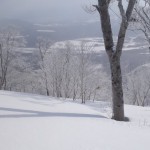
pixel 68 72
pixel 141 18
pixel 84 68
pixel 10 41
pixel 137 89
pixel 43 46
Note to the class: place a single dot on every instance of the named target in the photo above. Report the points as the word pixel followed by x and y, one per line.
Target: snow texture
pixel 33 122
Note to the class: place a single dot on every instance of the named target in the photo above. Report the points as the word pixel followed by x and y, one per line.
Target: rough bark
pixel 117 90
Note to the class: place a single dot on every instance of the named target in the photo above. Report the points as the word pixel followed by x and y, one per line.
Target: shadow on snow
pixel 32 113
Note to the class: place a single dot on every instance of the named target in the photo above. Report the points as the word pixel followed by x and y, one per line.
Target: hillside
pixel 33 122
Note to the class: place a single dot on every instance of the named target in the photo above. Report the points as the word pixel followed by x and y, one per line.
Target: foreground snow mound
pixel 33 122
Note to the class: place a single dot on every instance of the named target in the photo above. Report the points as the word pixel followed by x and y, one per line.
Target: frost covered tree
pixel 55 68
pixel 67 71
pixel 43 46
pixel 141 18
pixel 137 89
pixel 10 40
pixel 114 51
pixel 84 68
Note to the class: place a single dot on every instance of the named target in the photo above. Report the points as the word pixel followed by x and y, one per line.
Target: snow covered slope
pixel 33 122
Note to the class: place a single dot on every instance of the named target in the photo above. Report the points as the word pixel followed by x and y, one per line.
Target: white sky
pixel 48 10
pixel 44 9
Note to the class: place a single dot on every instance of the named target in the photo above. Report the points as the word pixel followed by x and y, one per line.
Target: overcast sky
pixel 42 10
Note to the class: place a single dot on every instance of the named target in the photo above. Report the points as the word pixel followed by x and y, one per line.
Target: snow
pixel 43 25
pixel 48 25
pixel 46 31
pixel 134 48
pixel 26 50
pixel 34 122
pixel 93 44
pixel 97 44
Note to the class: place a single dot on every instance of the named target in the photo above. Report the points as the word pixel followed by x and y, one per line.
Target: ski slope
pixel 33 122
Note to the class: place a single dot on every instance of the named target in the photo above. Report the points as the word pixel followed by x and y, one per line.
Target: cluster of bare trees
pixel 60 72
pixel 137 87
pixel 69 72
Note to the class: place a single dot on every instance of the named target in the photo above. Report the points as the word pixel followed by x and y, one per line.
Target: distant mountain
pixel 61 31
pixel 58 31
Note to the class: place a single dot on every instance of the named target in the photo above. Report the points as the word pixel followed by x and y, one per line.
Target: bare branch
pixel 122 11
pixel 89 9
pixel 106 26
pixel 96 7
pixel 124 24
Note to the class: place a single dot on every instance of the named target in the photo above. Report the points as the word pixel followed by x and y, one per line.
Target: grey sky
pixel 42 10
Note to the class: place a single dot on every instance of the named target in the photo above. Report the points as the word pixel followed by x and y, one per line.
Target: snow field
pixel 33 122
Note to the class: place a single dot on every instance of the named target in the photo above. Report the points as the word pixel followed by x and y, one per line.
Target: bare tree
pixel 114 52
pixel 141 18
pixel 84 68
pixel 138 86
pixel 10 40
pixel 67 56
pixel 43 46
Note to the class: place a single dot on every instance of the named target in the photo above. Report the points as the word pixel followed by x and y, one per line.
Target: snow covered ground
pixel 93 44
pixel 33 122
pixel 97 44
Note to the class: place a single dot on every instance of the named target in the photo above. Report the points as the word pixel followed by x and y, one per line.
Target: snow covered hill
pixel 33 122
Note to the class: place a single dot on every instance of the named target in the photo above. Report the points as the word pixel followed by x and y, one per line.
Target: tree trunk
pixel 114 59
pixel 114 53
pixel 117 90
